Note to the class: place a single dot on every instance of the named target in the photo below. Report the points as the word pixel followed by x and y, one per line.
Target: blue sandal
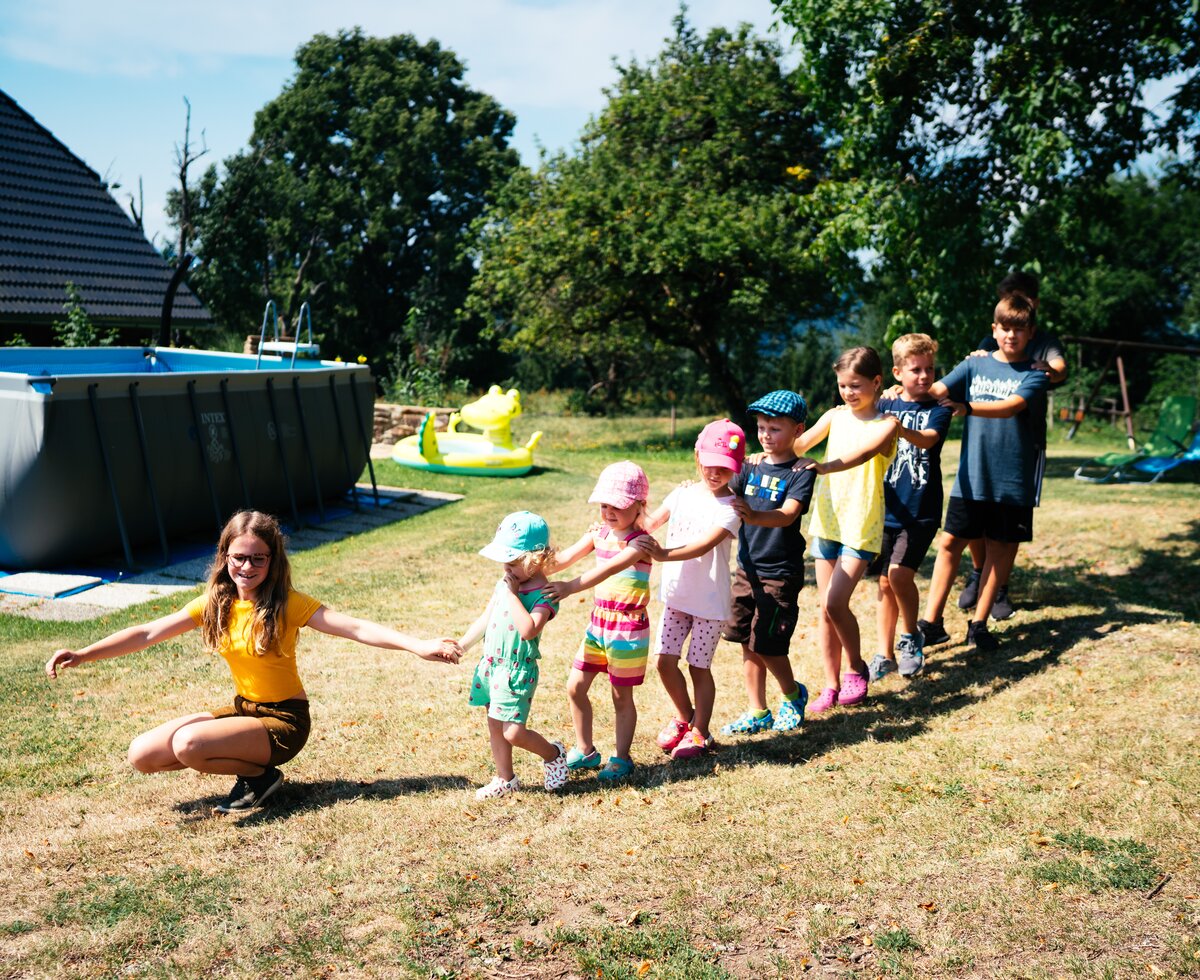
pixel 576 760
pixel 616 770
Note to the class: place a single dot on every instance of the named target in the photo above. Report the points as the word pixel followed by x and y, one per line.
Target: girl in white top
pixel 846 531
pixel 695 583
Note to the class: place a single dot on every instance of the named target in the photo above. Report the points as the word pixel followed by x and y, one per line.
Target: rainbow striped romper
pixel 618 638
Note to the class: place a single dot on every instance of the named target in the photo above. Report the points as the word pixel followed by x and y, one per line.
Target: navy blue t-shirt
pixel 912 486
pixel 772 552
pixel 1042 347
pixel 999 457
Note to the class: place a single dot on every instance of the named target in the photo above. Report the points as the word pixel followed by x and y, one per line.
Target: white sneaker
pixel 497 788
pixel 557 772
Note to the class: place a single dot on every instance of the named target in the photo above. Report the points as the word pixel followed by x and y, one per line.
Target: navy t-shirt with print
pixel 1042 347
pixel 912 486
pixel 772 552
pixel 999 457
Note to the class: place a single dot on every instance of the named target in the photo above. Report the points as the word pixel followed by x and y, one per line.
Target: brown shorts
pixel 287 723
pixel 764 613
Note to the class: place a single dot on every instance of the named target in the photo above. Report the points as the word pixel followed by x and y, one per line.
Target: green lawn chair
pixel 1169 439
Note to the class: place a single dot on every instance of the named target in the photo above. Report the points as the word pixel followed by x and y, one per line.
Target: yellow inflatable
pixel 470 454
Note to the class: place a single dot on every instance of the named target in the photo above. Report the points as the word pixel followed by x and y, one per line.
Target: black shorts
pixel 287 723
pixel 764 613
pixel 904 546
pixel 973 519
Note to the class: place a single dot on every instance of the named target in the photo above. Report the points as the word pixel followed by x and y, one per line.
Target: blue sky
pixel 109 79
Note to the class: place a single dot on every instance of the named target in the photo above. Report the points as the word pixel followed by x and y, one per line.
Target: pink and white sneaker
pixel 672 734
pixel 828 699
pixel 854 689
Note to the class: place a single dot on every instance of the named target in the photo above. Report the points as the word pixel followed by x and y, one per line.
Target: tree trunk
pixel 726 384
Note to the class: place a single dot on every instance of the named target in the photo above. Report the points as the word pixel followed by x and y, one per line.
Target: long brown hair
pixel 271 601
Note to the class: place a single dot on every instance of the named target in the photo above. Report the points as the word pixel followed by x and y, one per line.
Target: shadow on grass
pixel 294 798
pixel 960 679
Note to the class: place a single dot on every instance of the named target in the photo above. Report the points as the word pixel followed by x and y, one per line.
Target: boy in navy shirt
pixel 1004 398
pixel 912 493
pixel 771 496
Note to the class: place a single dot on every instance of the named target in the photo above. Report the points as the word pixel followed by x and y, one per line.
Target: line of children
pixel 878 506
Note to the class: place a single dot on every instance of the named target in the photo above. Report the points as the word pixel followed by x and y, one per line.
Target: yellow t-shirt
pixel 273 675
pixel 850 503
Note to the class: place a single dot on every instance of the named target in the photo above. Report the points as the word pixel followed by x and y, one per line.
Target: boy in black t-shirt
pixel 771 496
pixel 912 493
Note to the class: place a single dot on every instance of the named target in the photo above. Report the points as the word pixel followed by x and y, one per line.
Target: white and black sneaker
pixel 250 792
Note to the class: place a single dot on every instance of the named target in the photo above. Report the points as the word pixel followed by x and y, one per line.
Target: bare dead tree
pixel 185 155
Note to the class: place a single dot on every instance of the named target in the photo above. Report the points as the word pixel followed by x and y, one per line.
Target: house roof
pixel 59 224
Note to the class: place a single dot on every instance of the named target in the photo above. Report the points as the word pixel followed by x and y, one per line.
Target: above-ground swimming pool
pixel 104 450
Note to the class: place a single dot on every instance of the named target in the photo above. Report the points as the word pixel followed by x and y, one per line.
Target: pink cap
pixel 722 443
pixel 620 484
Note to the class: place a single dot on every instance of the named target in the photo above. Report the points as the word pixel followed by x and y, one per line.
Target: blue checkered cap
pixel 782 402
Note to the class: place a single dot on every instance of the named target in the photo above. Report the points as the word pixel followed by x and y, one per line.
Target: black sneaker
pixel 250 792
pixel 934 633
pixel 979 637
pixel 970 593
pixel 1002 607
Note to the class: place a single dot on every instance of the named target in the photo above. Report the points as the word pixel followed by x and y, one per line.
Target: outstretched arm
pixel 682 552
pixel 781 516
pixel 326 620
pixel 813 436
pixel 128 640
pixel 882 434
pixel 569 556
pixel 594 576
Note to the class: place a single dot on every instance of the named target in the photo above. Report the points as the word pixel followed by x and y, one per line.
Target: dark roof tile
pixel 59 224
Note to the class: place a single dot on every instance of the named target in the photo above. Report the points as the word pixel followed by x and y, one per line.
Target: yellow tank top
pixel 850 503
pixel 273 675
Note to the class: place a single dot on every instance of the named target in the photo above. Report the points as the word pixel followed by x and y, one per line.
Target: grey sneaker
pixel 880 667
pixel 910 654
pixel 1002 607
pixel 250 792
pixel 970 593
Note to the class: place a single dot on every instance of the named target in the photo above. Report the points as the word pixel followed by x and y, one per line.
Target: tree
pixel 962 118
pixel 685 222
pixel 355 193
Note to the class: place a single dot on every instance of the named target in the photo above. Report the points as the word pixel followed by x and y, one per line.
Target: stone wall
pixel 394 422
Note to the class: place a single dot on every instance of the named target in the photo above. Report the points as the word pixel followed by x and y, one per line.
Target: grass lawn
pixel 1004 815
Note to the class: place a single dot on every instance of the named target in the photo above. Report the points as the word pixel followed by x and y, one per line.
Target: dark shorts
pixel 905 546
pixel 764 613
pixel 287 723
pixel 973 519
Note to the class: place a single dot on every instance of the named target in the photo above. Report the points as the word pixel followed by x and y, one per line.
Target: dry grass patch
pixel 1001 816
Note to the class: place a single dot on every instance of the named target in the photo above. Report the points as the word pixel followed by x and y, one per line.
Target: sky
pixel 109 79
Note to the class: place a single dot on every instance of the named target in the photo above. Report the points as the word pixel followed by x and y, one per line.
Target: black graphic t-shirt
pixel 912 486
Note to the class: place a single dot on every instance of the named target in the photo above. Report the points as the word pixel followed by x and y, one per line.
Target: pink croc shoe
pixel 827 700
pixel 672 734
pixel 691 745
pixel 854 689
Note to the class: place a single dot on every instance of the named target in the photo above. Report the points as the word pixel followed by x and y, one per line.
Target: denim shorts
pixel 828 550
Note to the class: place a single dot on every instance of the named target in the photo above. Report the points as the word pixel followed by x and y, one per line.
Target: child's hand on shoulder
pixel 812 464
pixel 648 546
pixel 895 391
pixel 443 649
pixel 560 590
pixel 741 508
pixel 957 408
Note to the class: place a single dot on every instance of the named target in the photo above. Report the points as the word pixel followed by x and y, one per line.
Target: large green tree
pixel 684 223
pixel 355 193
pixel 960 119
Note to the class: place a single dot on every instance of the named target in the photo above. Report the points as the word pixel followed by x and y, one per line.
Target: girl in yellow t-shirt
pixel 250 615
pixel 846 530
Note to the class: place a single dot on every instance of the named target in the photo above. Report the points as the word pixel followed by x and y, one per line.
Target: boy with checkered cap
pixel 771 496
